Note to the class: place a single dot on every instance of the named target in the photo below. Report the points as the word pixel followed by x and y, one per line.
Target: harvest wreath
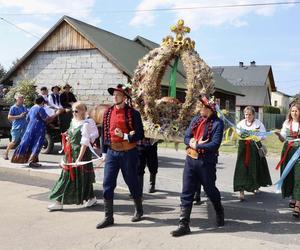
pixel 166 117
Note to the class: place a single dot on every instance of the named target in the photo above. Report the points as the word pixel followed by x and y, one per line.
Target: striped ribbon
pixel 287 170
pixel 251 133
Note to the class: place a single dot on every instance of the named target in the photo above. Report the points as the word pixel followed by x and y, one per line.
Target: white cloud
pixel 80 9
pixel 148 18
pixel 75 7
pixel 33 28
pixel 201 17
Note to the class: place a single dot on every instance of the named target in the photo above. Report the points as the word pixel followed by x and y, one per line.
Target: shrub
pixel 25 87
pixel 271 110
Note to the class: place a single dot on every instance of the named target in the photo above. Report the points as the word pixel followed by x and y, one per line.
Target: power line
pixel 16 26
pixel 162 9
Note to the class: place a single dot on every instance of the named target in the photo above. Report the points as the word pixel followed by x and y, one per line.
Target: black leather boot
pixel 141 183
pixel 152 183
pixel 108 219
pixel 138 210
pixel 220 221
pixel 183 227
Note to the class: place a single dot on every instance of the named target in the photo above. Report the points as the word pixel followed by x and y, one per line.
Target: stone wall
pixel 87 71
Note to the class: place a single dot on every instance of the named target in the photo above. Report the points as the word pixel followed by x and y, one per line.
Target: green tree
pixel 25 87
pixel 271 110
pixel 297 99
pixel 2 71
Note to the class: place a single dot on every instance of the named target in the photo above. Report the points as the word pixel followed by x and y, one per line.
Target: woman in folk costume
pixel 75 183
pixel 251 170
pixel 34 136
pixel 291 131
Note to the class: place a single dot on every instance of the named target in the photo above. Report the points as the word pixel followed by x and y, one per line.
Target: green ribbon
pixel 172 83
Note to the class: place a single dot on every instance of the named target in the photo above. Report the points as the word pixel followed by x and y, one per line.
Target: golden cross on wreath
pixel 179 29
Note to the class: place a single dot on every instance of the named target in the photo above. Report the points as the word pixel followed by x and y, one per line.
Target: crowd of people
pixel 125 148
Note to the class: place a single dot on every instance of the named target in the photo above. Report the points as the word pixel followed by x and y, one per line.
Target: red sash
pixel 290 145
pixel 68 152
pixel 247 153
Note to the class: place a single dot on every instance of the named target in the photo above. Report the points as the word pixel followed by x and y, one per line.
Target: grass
pixel 272 143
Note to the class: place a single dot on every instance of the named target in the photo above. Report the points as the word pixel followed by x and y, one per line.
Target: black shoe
pixel 136 217
pixel 219 214
pixel 138 210
pixel 220 220
pixel 34 165
pixel 296 213
pixel 182 229
pixel 292 204
pixel 152 189
pixel 108 221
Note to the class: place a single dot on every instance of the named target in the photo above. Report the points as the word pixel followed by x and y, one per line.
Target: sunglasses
pixel 75 111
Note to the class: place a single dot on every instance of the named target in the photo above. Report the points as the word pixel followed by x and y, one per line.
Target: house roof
pixel 253 75
pixel 254 96
pixel 284 94
pixel 120 51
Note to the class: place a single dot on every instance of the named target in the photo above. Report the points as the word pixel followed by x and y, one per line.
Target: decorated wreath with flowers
pixel 166 117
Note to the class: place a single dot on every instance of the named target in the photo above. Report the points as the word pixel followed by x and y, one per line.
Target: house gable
pixel 65 37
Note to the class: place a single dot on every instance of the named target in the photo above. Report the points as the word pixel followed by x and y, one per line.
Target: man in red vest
pixel 122 128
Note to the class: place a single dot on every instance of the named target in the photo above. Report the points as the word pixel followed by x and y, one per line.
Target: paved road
pixel 263 221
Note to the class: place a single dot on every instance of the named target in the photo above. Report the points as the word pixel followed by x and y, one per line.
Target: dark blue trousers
pixel 201 171
pixel 148 157
pixel 127 161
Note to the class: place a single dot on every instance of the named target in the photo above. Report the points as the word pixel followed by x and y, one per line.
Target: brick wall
pixel 87 71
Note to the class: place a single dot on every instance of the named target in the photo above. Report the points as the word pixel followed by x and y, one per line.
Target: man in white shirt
pixel 54 98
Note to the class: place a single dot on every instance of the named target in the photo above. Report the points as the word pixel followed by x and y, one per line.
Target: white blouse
pixel 257 125
pixel 286 127
pixel 89 131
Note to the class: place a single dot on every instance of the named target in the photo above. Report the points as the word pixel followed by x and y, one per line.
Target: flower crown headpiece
pixel 209 102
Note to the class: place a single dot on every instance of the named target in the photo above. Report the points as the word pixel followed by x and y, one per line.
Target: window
pixel 275 103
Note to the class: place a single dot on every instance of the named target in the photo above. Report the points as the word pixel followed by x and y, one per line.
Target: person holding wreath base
pixel 203 139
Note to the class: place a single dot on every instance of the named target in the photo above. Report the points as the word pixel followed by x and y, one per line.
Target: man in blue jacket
pixel 122 128
pixel 203 139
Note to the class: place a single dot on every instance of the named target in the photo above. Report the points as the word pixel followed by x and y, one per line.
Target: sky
pixel 224 36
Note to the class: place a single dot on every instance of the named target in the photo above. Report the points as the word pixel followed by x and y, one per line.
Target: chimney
pixel 241 64
pixel 252 63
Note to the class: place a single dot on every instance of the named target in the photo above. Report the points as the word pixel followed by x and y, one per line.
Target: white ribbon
pixel 81 163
